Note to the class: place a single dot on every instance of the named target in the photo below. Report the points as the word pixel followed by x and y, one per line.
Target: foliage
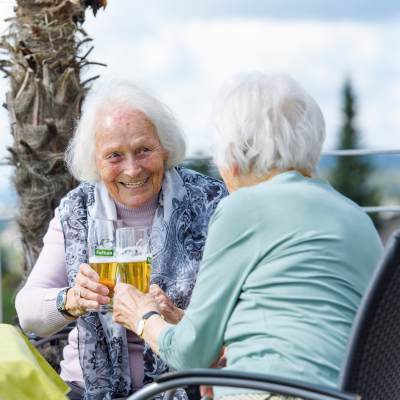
pixel 204 166
pixel 11 279
pixel 351 175
pixel 10 283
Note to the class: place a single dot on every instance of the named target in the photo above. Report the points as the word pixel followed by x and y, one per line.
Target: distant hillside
pixel 381 162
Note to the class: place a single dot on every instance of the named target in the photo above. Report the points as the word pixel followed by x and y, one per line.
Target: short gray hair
pixel 80 153
pixel 263 121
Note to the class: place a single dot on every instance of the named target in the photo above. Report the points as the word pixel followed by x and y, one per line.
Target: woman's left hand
pixel 169 311
pixel 219 363
pixel 130 305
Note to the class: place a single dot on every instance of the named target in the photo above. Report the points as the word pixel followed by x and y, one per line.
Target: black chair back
pixel 371 366
pixel 169 382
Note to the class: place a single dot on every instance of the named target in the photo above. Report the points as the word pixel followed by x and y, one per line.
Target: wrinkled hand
pixel 206 391
pixel 130 305
pixel 219 363
pixel 92 293
pixel 170 312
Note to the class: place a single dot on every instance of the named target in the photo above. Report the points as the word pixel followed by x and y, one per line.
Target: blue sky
pixel 368 10
pixel 185 49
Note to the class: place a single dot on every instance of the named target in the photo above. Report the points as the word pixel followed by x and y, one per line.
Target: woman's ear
pixel 235 170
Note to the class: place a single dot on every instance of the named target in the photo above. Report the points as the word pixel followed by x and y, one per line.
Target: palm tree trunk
pixel 44 41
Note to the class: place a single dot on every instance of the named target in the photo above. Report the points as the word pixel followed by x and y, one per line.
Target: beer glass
pixel 134 257
pixel 102 256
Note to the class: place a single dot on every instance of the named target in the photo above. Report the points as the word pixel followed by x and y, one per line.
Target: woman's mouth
pixel 135 185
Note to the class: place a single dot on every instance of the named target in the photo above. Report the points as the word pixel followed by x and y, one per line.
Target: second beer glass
pixel 134 257
pixel 102 257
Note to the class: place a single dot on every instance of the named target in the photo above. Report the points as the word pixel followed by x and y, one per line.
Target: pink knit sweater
pixel 36 302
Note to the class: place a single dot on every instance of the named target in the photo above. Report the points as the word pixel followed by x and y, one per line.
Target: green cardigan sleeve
pixel 229 256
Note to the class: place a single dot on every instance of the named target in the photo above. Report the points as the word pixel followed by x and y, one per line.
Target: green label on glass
pixel 148 260
pixel 104 253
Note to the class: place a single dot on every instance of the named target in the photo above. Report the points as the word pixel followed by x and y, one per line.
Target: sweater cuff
pixel 53 317
pixel 166 348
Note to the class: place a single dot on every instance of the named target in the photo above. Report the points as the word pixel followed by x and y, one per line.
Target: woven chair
pixel 371 366
pixel 168 383
pixel 54 339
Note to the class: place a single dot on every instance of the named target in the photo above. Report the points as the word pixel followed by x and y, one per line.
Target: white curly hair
pixel 262 121
pixel 132 96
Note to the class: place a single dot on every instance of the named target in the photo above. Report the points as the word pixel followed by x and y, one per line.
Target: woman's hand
pixel 219 363
pixel 92 293
pixel 169 311
pixel 130 305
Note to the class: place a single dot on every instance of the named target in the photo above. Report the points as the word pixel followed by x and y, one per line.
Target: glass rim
pixel 137 228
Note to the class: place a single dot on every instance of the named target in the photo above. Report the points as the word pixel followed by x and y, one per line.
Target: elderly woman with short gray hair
pixel 287 257
pixel 125 152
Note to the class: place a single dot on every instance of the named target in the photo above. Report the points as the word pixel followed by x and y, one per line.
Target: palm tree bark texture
pixel 44 58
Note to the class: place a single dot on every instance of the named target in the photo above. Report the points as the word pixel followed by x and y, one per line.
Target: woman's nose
pixel 132 168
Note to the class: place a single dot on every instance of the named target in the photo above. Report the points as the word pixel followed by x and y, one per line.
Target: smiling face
pixel 129 156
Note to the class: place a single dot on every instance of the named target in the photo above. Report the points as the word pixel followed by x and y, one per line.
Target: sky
pixel 185 50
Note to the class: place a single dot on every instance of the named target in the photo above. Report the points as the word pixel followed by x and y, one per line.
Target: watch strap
pixel 144 318
pixel 149 314
pixel 65 312
pixel 61 307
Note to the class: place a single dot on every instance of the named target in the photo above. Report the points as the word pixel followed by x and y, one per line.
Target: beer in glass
pixel 102 255
pixel 134 257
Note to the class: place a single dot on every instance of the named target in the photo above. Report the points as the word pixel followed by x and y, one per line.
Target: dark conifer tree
pixel 351 175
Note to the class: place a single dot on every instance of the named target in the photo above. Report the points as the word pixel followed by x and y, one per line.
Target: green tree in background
pixel 204 166
pixel 10 272
pixel 351 174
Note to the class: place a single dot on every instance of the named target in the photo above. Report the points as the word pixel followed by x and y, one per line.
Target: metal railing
pixel 358 152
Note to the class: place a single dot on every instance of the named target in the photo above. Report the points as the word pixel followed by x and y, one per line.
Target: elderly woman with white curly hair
pixel 287 258
pixel 125 152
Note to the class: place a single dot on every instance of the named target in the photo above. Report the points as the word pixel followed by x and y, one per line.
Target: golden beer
pixel 107 272
pixel 136 273
pixel 102 258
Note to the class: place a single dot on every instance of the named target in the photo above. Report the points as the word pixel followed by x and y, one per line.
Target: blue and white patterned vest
pixel 187 201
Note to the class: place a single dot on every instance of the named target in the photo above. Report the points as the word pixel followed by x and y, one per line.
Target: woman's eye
pixel 113 155
pixel 145 150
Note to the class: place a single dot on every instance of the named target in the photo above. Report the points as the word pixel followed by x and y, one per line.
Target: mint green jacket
pixel 284 268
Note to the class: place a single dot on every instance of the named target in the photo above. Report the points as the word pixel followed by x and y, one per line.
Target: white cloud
pixel 157 54
pixel 6 11
pixel 186 61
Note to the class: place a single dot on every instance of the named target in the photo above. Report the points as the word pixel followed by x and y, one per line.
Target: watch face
pixel 61 300
pixel 140 327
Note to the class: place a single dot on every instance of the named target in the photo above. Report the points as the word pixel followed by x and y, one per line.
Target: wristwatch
pixel 61 300
pixel 140 325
